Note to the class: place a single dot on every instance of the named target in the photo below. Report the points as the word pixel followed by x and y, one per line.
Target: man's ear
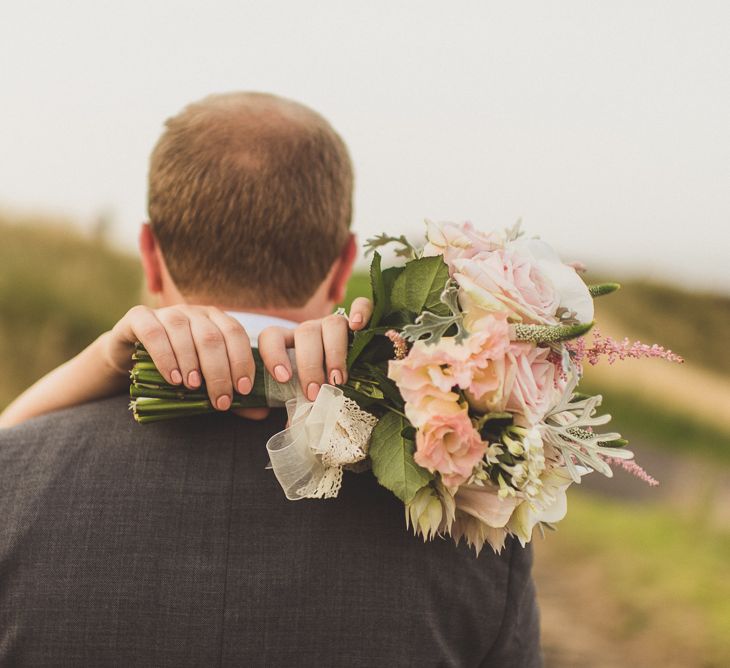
pixel 150 259
pixel 343 271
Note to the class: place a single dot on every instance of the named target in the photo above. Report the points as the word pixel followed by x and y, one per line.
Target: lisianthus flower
pixel 449 445
pixel 524 382
pixel 526 280
pixel 427 375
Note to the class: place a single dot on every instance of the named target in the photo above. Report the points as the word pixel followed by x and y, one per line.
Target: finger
pixel 252 413
pixel 309 352
pixel 210 346
pixel 177 326
pixel 273 344
pixel 238 346
pixel 334 338
pixel 360 312
pixel 141 324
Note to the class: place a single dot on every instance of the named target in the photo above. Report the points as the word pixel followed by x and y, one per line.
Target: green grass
pixel 359 286
pixel 637 417
pixel 658 568
pixel 58 291
pixel 693 324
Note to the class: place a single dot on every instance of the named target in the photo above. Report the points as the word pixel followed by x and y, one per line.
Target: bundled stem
pixel 154 399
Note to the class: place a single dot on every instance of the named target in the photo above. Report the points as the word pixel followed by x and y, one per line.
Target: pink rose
pixel 458 240
pixel 507 281
pixel 525 382
pixel 449 445
pixel 526 279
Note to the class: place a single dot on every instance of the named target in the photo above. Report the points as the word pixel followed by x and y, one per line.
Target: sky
pixel 604 126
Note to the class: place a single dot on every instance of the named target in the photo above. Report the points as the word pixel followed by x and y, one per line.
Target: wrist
pixel 116 359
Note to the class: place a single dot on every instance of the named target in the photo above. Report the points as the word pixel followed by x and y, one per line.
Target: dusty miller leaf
pixel 431 327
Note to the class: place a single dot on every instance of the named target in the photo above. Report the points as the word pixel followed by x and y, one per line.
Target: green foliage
pixel 420 285
pixel 380 296
pixel 391 454
pixel 600 289
pixel 431 327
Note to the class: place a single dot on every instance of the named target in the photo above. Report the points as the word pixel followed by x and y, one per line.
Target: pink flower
pixel 458 240
pixel 483 503
pixel 449 445
pixel 427 375
pixel 526 280
pixel 524 382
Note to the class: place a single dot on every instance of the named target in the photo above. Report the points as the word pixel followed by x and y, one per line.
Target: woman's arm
pixel 189 344
pixel 81 379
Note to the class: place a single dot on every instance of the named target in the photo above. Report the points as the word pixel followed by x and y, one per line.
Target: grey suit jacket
pixel 172 545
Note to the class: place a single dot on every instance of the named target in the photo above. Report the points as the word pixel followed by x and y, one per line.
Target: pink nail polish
pixel 244 385
pixel 176 377
pixel 312 390
pixel 281 373
pixel 223 403
pixel 194 379
pixel 336 377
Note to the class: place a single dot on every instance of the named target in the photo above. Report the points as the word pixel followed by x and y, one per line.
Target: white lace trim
pixel 323 437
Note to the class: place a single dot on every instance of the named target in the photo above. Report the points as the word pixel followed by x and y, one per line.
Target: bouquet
pixel 462 396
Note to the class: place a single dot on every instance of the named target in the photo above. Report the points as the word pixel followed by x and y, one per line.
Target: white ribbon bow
pixel 322 437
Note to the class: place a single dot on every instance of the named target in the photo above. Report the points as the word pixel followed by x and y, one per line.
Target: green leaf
pixel 387 386
pixel 420 285
pixel 601 289
pixel 431 327
pixel 392 458
pixel 378 288
pixel 359 342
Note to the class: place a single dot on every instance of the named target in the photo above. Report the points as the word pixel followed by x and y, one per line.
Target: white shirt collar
pixel 255 323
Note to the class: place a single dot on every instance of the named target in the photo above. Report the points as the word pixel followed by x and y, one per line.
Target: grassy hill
pixel 58 291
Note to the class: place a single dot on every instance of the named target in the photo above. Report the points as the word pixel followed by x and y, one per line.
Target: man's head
pixel 250 202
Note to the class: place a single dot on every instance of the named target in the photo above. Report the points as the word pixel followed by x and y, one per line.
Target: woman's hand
pixel 189 344
pixel 320 347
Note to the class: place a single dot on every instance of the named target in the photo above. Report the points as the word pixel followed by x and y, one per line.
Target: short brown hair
pixel 250 197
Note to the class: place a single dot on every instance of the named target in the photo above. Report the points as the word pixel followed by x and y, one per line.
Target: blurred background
pixel 604 126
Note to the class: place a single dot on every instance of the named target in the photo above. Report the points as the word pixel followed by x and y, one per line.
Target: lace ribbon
pixel 322 437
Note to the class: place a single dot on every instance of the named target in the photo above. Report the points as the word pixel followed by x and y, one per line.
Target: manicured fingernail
pixel 194 379
pixel 312 390
pixel 176 377
pixel 281 373
pixel 244 385
pixel 223 403
pixel 356 318
pixel 335 377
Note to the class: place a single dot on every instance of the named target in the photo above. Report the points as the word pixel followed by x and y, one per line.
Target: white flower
pixel 550 504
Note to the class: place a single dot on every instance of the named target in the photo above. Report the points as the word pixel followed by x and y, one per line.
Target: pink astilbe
pixel 616 350
pixel 630 466
pixel 400 346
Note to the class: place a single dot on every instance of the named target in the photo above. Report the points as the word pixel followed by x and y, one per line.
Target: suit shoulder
pixel 110 413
